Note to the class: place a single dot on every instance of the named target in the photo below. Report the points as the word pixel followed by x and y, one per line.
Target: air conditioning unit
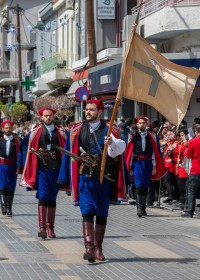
pixel 69 4
pixel 105 79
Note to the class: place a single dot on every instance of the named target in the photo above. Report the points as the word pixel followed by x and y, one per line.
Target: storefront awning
pixel 50 92
pixel 9 81
pixel 75 85
pixel 80 79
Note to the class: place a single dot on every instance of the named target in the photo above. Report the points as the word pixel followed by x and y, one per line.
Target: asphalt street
pixel 162 245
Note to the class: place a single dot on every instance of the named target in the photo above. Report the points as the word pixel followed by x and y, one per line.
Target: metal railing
pixel 52 63
pixel 151 6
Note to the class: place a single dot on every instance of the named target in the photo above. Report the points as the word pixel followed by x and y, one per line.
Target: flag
pixel 149 77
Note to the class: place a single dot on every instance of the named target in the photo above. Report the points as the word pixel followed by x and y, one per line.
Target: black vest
pixel 138 145
pixel 12 153
pixel 88 141
pixel 44 141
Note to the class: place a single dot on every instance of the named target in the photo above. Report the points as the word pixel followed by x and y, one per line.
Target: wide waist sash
pixel 142 157
pixel 7 161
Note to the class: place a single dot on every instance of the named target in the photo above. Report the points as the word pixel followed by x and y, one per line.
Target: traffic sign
pixel 82 94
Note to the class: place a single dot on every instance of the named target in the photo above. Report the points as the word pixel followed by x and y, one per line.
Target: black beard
pixel 94 118
pixel 48 123
pixel 8 133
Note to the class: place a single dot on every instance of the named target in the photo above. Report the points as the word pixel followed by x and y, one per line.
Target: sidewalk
pixel 160 246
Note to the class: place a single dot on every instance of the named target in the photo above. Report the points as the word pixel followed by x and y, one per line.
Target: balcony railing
pixel 152 6
pixel 52 63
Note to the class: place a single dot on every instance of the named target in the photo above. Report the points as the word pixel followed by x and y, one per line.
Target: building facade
pixel 9 66
pixel 55 47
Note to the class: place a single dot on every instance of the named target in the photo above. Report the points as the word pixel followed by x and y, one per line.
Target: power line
pixel 35 26
pixel 31 14
pixel 40 34
pixel 24 30
pixel 11 3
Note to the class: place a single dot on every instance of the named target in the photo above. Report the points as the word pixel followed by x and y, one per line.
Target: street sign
pixel 82 94
pixel 27 83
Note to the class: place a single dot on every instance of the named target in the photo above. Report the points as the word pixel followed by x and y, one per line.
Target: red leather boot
pixel 42 213
pixel 51 213
pixel 88 234
pixel 99 236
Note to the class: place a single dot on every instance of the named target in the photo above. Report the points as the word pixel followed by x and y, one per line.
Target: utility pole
pixel 91 33
pixel 17 10
pixel 19 51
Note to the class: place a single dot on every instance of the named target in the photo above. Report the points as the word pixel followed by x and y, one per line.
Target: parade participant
pixel 147 163
pixel 42 174
pixel 193 152
pixel 23 148
pixel 94 198
pixel 170 179
pixel 180 169
pixel 9 145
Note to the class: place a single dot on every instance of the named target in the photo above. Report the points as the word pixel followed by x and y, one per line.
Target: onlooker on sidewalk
pixel 124 131
pixel 9 145
pixel 191 133
pixel 193 152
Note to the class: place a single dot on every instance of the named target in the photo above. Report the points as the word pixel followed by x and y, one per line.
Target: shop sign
pixel 106 9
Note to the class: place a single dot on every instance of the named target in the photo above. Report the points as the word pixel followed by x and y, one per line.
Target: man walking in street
pixel 144 157
pixel 41 172
pixel 193 152
pixel 9 145
pixel 94 198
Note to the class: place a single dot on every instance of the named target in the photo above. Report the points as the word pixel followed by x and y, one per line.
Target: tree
pixel 61 104
pixel 17 112
pixel 4 108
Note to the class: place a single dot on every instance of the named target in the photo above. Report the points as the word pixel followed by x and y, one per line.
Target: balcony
pixel 55 72
pixel 58 4
pixel 165 19
pixel 4 74
pixel 58 77
pixel 40 86
pixel 56 61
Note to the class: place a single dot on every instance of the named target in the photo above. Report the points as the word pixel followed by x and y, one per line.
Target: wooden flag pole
pixel 114 113
pixel 103 162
